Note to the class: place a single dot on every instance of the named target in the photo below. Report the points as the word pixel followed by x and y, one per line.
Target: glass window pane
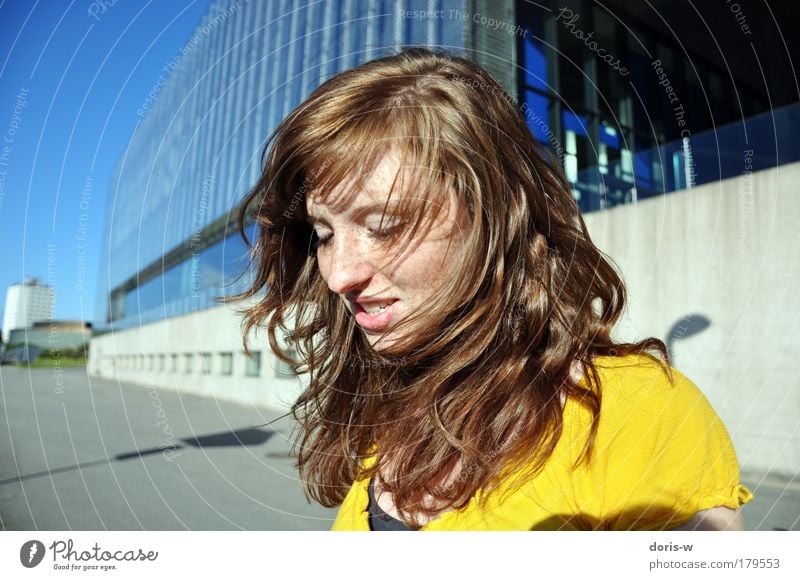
pixel 205 363
pixel 226 363
pixel 253 364
pixel 536 111
pixel 283 369
pixel 534 52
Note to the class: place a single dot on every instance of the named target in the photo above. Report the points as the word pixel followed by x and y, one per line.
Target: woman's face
pixel 381 283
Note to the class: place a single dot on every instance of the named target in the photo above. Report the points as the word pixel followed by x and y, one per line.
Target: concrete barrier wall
pixel 714 271
pixel 144 355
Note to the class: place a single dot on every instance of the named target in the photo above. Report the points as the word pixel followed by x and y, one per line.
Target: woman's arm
pixel 718 518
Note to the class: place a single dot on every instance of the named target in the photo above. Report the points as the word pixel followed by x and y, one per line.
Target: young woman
pixel 426 258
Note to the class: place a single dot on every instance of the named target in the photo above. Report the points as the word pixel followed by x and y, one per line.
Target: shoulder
pixel 637 373
pixel 647 388
pixel 661 453
pixel 648 405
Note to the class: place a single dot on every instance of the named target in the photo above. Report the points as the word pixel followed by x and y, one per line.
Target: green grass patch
pixel 46 362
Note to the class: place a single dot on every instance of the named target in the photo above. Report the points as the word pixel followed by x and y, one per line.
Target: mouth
pixel 375 316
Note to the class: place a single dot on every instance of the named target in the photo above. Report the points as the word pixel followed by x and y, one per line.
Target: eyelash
pixel 316 241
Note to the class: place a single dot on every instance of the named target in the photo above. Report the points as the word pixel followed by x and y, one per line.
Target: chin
pixel 381 343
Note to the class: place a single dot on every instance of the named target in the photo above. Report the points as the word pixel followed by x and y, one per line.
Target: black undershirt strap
pixel 379 520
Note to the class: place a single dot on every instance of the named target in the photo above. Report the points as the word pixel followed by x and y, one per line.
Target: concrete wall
pixel 715 272
pixel 135 355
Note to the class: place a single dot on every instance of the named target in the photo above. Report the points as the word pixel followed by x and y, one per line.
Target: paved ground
pixel 776 505
pixel 80 454
pixel 97 454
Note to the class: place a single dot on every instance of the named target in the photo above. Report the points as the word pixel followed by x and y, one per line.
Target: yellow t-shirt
pixel 661 454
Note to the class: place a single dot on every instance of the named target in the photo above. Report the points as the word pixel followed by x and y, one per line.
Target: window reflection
pixel 187 287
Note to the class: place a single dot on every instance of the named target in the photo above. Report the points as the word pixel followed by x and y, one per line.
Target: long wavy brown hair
pixel 477 385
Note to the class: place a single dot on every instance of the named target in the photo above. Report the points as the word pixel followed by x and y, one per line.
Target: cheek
pixel 426 269
pixel 322 266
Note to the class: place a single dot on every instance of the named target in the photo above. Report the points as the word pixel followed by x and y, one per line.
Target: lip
pixel 375 322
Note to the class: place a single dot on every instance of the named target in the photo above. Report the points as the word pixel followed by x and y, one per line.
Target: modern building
pixel 679 123
pixel 27 303
pixel 639 99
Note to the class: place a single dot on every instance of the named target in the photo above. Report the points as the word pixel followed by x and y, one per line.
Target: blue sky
pixel 73 75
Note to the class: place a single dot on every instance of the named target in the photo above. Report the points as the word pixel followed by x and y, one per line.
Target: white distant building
pixel 26 303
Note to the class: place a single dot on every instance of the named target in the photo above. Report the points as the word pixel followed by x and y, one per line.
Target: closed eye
pixel 317 240
pixel 385 232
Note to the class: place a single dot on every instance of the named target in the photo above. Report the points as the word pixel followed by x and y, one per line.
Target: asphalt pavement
pixel 85 453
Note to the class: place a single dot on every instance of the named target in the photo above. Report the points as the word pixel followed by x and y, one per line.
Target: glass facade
pixel 190 285
pixel 170 241
pixel 630 111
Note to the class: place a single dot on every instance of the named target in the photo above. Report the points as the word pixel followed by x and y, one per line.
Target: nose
pixel 347 267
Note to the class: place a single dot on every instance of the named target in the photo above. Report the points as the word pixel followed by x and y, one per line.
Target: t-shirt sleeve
pixel 664 451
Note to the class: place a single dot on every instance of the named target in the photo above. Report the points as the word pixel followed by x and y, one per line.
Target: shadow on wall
pixel 689 325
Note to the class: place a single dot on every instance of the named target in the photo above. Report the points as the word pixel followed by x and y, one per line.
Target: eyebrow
pixel 366 209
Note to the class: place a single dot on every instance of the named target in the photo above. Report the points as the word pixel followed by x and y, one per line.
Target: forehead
pixel 359 190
